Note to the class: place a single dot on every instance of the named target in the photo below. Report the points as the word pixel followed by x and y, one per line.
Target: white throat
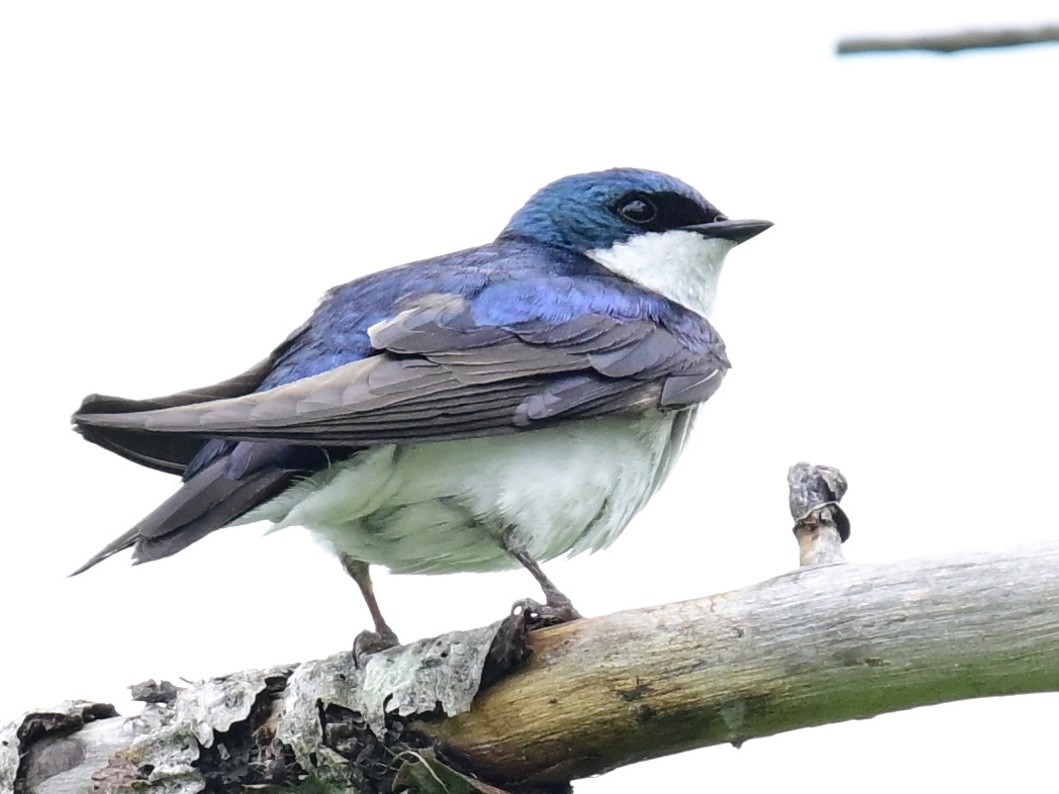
pixel 679 265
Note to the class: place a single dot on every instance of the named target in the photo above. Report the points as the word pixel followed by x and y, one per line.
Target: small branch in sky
pixel 951 42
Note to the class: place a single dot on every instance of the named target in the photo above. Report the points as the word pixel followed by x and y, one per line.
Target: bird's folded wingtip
pixel 99 404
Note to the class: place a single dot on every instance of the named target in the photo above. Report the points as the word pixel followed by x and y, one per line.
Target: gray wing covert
pixel 437 375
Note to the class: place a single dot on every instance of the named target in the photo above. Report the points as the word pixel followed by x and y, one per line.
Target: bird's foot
pixel 537 616
pixel 369 642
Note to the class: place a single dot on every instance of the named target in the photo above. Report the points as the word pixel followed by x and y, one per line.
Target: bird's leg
pixel 368 642
pixel 557 607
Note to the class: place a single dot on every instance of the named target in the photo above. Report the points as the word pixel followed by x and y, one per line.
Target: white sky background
pixel 181 182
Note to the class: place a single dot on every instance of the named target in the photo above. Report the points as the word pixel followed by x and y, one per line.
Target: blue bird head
pixel 599 210
pixel 643 226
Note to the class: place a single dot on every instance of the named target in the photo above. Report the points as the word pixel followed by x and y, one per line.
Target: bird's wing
pixel 168 452
pixel 437 374
pixel 435 371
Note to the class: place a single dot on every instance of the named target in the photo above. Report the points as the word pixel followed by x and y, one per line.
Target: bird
pixel 480 410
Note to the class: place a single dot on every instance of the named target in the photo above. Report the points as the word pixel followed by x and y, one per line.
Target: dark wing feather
pixel 166 453
pixel 438 376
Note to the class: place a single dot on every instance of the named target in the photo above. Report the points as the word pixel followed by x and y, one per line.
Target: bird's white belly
pixel 439 508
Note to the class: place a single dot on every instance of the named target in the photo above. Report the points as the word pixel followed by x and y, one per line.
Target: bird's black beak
pixel 736 231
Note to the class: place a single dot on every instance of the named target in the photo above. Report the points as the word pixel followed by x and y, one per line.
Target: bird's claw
pixel 538 616
pixel 369 642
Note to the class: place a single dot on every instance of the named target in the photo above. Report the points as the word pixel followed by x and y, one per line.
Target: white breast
pixel 679 265
pixel 437 508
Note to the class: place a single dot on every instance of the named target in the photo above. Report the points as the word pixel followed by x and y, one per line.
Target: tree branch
pixel 951 42
pixel 815 646
pixel 823 644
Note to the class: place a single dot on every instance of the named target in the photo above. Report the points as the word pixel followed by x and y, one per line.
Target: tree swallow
pixel 492 407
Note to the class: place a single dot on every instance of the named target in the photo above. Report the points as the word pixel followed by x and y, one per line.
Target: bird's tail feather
pixel 112 548
pixel 208 501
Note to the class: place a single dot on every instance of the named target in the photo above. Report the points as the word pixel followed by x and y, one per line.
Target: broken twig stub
pixel 820 524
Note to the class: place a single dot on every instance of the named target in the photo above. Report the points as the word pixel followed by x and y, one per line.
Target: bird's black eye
pixel 637 208
pixel 663 210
